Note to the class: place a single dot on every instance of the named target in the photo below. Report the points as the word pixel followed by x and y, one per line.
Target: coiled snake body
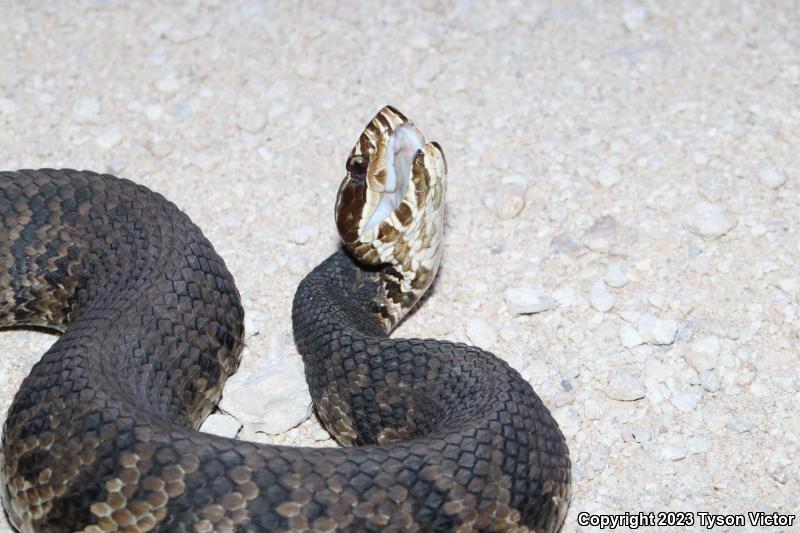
pixel 102 434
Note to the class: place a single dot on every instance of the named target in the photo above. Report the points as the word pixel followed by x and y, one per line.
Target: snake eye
pixel 357 164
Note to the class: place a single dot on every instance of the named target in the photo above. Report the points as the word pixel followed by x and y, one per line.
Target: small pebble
pixel 641 435
pixel 109 139
pixel 297 265
pixel 709 380
pixel 592 409
pixel 252 121
pixel 282 393
pixel 770 177
pixel 739 424
pixel 629 337
pixel 673 452
pixel 86 110
pixel 427 71
pixel 222 425
pixel 634 18
pixel 656 300
pixel 746 374
pixel 777 470
pixel 507 201
pixel 307 68
pixel 168 85
pixel 275 346
pixel 302 234
pixel 686 401
pixel 697 445
pixel 7 106
pixel 526 300
pixel 254 321
pixel 600 298
pixel 708 221
pixel 656 330
pixel 509 334
pixel 153 112
pixel 616 275
pixel 159 149
pixel 607 176
pixel 598 244
pixel 703 352
pixel 481 333
pixel 565 296
pixel 624 387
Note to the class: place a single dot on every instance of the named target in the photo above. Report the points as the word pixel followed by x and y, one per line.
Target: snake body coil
pixel 102 434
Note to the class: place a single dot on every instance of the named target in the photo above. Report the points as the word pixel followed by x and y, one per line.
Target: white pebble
pixel 600 298
pixel 282 397
pixel 507 201
pixel 168 85
pixel 739 425
pixel 254 322
pixel 656 330
pixel 598 244
pixel 641 435
pixel 509 334
pixel 592 409
pixel 686 401
pixel 427 71
pixel 708 221
pixel 789 285
pixel 275 346
pixel 153 112
pixel 698 445
pixel 222 425
pixel 624 387
pixel 746 375
pixel 526 300
pixel 302 234
pixel 629 337
pixel 109 139
pixel 703 352
pixel 770 177
pixel 159 149
pixel 709 380
pixel 307 68
pixel 86 110
pixel 565 296
pixel 656 300
pixel 673 452
pixel 607 176
pixel 7 106
pixel 634 18
pixel 481 333
pixel 616 275
pixel 252 122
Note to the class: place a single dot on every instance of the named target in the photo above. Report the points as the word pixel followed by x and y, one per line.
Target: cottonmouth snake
pixel 102 434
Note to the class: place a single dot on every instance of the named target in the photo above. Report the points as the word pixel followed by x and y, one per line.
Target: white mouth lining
pixel 404 144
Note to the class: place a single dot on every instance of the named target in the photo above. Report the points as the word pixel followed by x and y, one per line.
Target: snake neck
pixel 344 291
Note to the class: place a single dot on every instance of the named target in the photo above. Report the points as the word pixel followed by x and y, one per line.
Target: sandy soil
pixel 653 148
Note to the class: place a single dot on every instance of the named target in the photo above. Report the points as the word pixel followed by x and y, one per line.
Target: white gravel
pixel 527 300
pixel 660 136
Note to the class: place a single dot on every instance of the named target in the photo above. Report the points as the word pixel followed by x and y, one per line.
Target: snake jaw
pixel 389 210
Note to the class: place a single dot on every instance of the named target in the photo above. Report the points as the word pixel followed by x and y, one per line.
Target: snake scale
pixel 102 435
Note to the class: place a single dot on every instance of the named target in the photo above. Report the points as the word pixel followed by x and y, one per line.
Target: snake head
pixel 390 206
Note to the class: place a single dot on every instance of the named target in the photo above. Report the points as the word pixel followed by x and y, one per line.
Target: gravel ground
pixel 623 209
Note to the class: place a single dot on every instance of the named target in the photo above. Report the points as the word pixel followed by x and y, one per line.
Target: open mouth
pixel 404 144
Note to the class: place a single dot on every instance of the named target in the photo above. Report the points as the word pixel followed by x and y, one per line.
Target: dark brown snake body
pixel 102 434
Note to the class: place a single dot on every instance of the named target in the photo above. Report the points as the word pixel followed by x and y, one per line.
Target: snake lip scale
pixel 102 435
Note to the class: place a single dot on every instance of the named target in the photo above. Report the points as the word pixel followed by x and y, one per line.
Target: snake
pixel 102 435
